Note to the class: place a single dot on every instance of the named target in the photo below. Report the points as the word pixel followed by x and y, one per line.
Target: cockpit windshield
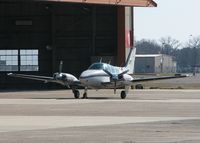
pixel 96 66
pixel 104 66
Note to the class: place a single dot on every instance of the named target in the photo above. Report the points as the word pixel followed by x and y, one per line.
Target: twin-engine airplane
pixel 98 76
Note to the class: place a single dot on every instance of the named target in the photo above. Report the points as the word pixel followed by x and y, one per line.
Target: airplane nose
pixel 93 78
pixel 83 77
pixel 87 74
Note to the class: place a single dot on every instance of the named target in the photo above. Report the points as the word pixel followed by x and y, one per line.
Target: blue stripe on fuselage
pixel 97 75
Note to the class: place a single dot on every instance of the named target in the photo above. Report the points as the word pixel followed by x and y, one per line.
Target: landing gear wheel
pixel 123 95
pixel 76 94
pixel 84 96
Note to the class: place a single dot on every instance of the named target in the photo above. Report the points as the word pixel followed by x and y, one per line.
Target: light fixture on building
pixel 48 47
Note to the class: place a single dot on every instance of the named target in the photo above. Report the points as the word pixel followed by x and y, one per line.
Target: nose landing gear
pixel 123 94
pixel 85 94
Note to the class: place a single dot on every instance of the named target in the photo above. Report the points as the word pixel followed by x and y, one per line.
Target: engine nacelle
pixel 64 77
pixel 127 77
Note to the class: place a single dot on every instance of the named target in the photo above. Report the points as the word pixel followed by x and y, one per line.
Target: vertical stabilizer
pixel 130 61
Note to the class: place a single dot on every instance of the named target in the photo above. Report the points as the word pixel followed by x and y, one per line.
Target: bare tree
pixel 145 46
pixel 187 55
pixel 194 45
pixel 169 45
pixel 193 42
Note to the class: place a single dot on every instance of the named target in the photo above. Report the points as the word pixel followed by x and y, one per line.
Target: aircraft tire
pixel 76 94
pixel 123 94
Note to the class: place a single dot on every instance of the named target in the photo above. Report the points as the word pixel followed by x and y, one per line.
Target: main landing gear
pixel 76 94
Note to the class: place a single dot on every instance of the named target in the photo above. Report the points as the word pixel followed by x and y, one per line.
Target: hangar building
pixel 35 35
pixel 156 63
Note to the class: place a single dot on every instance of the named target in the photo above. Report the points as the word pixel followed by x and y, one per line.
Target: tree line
pixel 186 55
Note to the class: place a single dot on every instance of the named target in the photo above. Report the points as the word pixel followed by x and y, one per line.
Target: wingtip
pixel 183 75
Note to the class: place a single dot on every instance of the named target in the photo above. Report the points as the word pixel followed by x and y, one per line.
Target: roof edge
pixel 132 3
pixel 153 3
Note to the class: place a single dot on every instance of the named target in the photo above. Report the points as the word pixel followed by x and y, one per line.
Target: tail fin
pixel 130 61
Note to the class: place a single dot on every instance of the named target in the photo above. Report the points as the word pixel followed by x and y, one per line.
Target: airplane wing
pixel 47 79
pixel 33 77
pixel 158 78
pixel 120 83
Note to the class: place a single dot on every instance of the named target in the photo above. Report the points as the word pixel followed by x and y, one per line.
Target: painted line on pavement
pixel 20 123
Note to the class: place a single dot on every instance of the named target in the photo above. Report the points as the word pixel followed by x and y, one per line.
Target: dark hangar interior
pixel 36 35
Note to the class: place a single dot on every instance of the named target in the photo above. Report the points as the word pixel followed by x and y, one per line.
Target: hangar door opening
pixel 53 31
pixel 81 32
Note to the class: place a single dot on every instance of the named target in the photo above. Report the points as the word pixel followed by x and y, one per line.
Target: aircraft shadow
pixel 89 98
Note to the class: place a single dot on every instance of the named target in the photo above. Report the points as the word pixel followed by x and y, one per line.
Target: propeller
pixel 120 76
pixel 115 78
pixel 60 66
pixel 58 75
pixel 110 74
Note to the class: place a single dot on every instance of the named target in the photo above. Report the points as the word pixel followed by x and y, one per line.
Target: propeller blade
pixel 110 74
pixel 60 66
pixel 115 77
pixel 120 76
pixel 124 72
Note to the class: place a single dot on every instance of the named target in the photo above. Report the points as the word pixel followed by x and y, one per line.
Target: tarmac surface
pixel 145 116
pixel 191 82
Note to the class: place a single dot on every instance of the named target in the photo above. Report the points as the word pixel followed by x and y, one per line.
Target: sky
pixel 178 19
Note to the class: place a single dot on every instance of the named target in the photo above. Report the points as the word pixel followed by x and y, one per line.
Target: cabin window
pixel 96 66
pixel 109 68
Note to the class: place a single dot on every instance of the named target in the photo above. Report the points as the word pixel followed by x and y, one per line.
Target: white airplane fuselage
pixel 99 79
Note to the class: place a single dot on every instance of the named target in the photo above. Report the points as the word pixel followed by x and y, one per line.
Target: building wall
pixel 144 65
pixel 165 64
pixel 125 33
pixel 158 64
pixel 155 64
